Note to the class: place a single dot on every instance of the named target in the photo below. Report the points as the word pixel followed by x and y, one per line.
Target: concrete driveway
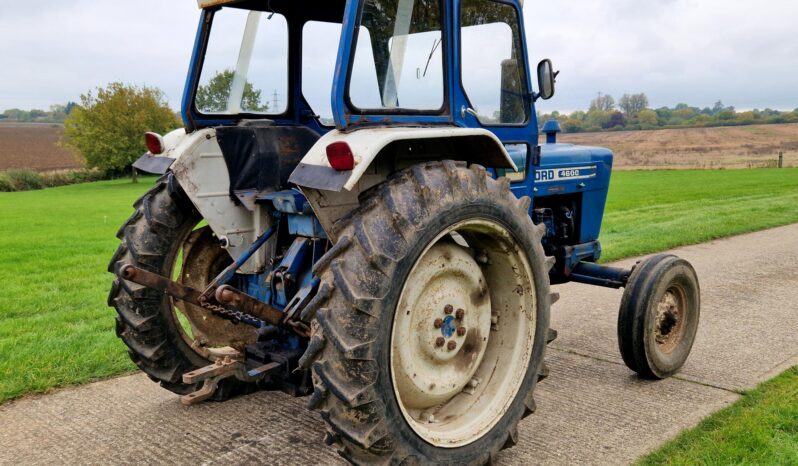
pixel 591 410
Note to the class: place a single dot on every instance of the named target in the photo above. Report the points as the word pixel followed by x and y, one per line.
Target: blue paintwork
pixel 291 201
pixel 449 327
pixel 295 263
pixel 593 191
pixel 551 128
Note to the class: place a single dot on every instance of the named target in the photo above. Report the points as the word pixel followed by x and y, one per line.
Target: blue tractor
pixel 358 211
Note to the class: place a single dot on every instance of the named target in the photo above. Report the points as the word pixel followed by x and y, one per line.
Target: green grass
pixel 55 328
pixel 761 428
pixel 55 244
pixel 658 210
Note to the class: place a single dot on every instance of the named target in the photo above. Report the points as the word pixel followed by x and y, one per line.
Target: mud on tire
pixel 362 278
pixel 145 321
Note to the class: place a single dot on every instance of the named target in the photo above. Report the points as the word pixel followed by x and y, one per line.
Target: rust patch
pixel 479 296
pixel 470 351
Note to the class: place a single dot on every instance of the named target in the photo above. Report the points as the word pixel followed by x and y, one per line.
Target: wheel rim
pixel 200 259
pixel 463 333
pixel 669 328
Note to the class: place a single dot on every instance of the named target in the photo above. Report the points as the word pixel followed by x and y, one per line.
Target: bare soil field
pixel 697 148
pixel 34 146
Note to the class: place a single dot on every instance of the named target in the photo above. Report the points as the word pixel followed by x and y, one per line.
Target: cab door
pixel 493 89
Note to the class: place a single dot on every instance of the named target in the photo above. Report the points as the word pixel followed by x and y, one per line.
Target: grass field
pixel 761 428
pixel 55 328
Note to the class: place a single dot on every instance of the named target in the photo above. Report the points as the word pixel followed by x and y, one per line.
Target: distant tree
pixel 107 129
pixel 69 107
pixel 633 104
pixel 718 107
pixel 35 113
pixel 213 97
pixel 572 125
pixel 616 119
pixel 3 116
pixel 602 103
pixel 596 120
pixel 647 119
pixel 17 115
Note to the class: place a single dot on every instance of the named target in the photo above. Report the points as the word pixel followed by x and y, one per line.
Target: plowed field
pixel 697 148
pixel 34 146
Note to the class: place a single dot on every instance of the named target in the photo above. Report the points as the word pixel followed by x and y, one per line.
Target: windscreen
pixel 398 59
pixel 246 64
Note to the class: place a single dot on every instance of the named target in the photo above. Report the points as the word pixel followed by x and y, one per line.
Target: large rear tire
pixel 438 247
pixel 154 239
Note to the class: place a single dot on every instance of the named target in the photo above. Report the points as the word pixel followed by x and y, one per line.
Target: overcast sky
pixel 695 51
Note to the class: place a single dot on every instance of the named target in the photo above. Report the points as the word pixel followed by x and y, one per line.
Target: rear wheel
pixel 167 338
pixel 432 320
pixel 659 315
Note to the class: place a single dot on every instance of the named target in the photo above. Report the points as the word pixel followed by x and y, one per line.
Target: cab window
pixel 398 58
pixel 319 56
pixel 493 65
pixel 246 64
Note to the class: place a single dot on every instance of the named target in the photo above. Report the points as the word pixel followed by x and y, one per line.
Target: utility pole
pixel 276 101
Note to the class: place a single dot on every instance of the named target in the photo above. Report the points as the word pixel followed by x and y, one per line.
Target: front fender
pixel 474 145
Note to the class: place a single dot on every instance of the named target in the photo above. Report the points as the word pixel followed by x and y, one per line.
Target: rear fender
pixel 201 171
pixel 473 145
pixel 378 153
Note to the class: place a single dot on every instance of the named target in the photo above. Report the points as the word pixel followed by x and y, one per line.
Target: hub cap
pixel 463 333
pixel 670 320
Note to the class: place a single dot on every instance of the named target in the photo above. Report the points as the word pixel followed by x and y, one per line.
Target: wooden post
pixel 781 159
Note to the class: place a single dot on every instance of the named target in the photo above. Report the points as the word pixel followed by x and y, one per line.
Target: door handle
pixel 470 111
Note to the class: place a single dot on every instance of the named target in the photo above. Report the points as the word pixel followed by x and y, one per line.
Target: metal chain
pixel 235 317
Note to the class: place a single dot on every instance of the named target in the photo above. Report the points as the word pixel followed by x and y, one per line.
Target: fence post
pixel 781 159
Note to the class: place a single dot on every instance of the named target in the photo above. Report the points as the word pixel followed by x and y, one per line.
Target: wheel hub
pixel 669 324
pixel 463 333
pixel 443 339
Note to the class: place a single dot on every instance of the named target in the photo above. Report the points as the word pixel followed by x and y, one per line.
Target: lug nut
pixel 440 341
pixel 452 345
pixel 461 331
pixel 438 323
pixel 460 314
pixel 448 309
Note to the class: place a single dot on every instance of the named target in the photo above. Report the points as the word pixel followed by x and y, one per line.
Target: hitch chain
pixel 236 317
pixel 233 305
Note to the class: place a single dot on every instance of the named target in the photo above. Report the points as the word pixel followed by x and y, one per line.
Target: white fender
pixel 474 145
pixel 200 169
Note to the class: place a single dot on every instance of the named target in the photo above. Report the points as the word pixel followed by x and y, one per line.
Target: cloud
pixel 694 51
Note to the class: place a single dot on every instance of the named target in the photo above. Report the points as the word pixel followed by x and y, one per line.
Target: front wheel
pixel 429 341
pixel 659 314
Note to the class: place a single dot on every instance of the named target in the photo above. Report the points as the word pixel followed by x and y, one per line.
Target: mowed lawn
pixel 761 428
pixel 55 328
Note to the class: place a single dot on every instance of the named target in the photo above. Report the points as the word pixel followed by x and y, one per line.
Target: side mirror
pixel 547 77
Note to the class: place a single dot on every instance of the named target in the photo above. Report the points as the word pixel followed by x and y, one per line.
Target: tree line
pixel 632 112
pixel 56 114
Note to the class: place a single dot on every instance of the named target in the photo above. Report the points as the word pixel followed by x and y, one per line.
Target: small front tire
pixel 659 315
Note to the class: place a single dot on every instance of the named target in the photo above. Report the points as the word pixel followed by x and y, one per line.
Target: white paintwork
pixel 367 143
pixel 451 416
pixel 202 173
pixel 432 374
